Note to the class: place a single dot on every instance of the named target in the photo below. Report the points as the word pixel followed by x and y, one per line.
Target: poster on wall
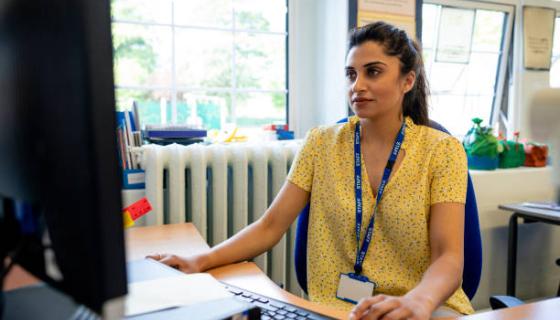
pixel 397 7
pixel 400 13
pixel 455 35
pixel 538 30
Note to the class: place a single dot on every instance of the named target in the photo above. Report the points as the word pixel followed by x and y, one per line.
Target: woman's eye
pixel 350 75
pixel 372 72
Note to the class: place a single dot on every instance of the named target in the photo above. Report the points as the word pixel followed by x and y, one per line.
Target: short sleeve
pixel 449 172
pixel 301 172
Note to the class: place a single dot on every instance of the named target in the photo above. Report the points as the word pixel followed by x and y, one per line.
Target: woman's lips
pixel 361 101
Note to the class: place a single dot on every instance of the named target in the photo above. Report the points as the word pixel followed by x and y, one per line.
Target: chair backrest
pixel 472 249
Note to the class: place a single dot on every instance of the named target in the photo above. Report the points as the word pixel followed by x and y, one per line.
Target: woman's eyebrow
pixel 373 63
pixel 367 65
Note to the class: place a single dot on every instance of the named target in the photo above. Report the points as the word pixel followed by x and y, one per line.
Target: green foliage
pixel 513 154
pixel 480 141
pixel 252 21
pixel 134 48
pixel 279 100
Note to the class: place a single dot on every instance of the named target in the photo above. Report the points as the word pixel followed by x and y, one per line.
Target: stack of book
pixel 128 137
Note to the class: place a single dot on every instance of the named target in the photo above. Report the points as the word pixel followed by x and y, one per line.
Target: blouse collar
pixel 410 130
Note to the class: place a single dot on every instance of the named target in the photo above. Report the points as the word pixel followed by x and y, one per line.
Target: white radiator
pixel 221 189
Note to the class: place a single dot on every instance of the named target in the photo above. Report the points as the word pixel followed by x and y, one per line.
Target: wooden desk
pixel 521 211
pixel 184 239
pixel 543 310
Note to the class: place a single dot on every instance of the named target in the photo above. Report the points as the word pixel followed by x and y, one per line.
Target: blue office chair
pixel 473 243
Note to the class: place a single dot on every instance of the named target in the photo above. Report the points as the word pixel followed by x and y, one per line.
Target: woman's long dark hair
pixel 397 43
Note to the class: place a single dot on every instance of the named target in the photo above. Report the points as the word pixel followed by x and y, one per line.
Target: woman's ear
pixel 409 81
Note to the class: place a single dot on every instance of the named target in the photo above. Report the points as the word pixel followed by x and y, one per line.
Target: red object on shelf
pixel 535 155
pixel 139 208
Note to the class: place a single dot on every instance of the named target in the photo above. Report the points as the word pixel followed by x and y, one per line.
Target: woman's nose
pixel 358 84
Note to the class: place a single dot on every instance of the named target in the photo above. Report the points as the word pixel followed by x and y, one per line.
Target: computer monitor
pixel 58 153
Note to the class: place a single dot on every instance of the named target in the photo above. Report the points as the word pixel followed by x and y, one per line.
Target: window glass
pixel 260 108
pixel 203 58
pixel 154 105
pixel 488 31
pixel 203 13
pixel 260 15
pixel 142 54
pixel 213 109
pixel 142 10
pixel 462 91
pixel 260 61
pixel 429 25
pixel 215 60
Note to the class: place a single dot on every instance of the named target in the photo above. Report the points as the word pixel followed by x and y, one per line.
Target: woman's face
pixel 374 84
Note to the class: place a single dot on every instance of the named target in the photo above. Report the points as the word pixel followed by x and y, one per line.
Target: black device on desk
pixel 60 202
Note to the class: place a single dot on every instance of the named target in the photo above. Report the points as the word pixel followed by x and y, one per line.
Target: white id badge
pixel 353 287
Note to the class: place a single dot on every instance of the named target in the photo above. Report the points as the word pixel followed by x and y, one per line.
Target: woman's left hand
pixel 384 307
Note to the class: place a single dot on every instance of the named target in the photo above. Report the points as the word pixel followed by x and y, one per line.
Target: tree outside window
pixel 221 61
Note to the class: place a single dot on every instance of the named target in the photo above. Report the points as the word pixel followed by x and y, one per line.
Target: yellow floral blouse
pixel 434 170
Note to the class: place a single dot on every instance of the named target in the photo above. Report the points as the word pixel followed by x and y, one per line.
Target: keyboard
pixel 272 308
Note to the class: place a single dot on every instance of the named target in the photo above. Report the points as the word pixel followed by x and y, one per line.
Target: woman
pixel 409 246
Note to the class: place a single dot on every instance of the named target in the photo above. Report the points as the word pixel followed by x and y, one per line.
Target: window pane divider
pixel 195 27
pixel 199 89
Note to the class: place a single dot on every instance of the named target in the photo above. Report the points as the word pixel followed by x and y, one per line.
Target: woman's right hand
pixel 191 264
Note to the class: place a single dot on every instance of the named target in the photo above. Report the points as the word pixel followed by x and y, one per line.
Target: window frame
pixel 505 47
pixel 556 20
pixel 174 89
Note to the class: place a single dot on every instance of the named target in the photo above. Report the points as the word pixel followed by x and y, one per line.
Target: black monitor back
pixel 58 143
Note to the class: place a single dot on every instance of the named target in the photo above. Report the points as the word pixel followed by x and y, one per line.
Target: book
pixel 173 131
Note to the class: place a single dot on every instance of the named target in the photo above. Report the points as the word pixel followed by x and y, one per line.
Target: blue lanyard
pixel 361 253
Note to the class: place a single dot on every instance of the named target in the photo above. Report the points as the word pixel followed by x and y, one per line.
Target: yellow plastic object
pixel 231 136
pixel 127 220
pixel 234 137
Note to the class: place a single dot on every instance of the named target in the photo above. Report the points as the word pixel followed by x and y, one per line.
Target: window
pixel 213 62
pixel 465 83
pixel 555 65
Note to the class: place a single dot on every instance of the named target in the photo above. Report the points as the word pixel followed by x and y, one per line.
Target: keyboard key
pixel 264 306
pixel 302 313
pixel 263 300
pixel 274 304
pixel 248 299
pixel 282 312
pixel 291 315
pixel 279 317
pixel 235 291
pixel 290 309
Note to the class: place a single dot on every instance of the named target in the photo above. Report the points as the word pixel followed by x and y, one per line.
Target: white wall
pixel 317 41
pixel 539 244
